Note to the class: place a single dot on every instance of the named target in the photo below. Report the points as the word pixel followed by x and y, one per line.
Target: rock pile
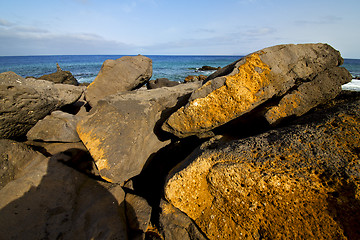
pixel 226 157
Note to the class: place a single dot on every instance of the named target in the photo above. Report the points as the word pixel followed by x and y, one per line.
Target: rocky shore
pixel 264 148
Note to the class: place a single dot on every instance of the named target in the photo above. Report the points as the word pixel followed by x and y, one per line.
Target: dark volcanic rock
pixel 123 131
pixel 25 101
pixel 14 157
pixel 175 225
pixel 123 74
pixel 138 213
pixel 289 79
pixel 208 68
pixel 50 200
pixel 160 82
pixel 57 127
pixel 60 76
pixel 281 184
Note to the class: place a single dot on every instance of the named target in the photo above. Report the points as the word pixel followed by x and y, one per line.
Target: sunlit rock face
pixel 294 78
pixel 299 182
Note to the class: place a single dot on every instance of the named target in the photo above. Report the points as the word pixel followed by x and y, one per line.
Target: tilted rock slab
pixel 300 182
pixel 302 76
pixel 121 132
pixel 25 101
pixel 123 74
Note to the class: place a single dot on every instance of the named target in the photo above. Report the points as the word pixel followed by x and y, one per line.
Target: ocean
pixel 86 67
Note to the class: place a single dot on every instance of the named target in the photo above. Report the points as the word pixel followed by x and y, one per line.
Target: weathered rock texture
pixel 14 157
pixel 25 101
pixel 160 82
pixel 295 77
pixel 175 225
pixel 57 127
pixel 60 76
pixel 123 74
pixel 123 130
pixel 53 201
pixel 300 182
pixel 138 213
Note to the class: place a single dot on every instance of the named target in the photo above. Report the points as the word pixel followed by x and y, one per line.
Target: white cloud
pixel 5 23
pixel 322 20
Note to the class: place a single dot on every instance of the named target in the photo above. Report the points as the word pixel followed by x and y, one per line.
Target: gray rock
pixel 160 82
pixel 299 76
pixel 60 76
pixel 53 201
pixel 14 157
pixel 138 213
pixel 57 127
pixel 123 131
pixel 284 182
pixel 123 74
pixel 175 225
pixel 25 101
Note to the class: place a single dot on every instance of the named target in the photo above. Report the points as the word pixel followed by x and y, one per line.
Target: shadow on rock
pixel 51 200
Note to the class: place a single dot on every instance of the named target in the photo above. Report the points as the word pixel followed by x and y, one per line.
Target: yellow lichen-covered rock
pixel 300 182
pixel 259 77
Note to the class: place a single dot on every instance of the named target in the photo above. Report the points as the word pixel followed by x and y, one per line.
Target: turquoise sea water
pixel 86 67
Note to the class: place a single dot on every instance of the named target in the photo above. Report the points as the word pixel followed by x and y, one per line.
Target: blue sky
pixel 226 27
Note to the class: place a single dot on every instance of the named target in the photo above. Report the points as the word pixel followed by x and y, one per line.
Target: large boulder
pixel 14 157
pixel 60 76
pixel 123 74
pixel 51 200
pixel 123 131
pixel 300 182
pixel 57 127
pixel 25 101
pixel 290 79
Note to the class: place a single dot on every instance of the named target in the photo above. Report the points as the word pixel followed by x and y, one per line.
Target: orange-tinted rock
pixel 123 130
pixel 193 78
pixel 300 182
pixel 247 83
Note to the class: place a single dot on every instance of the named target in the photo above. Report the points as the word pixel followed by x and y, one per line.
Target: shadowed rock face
pixel 298 182
pixel 123 74
pixel 301 76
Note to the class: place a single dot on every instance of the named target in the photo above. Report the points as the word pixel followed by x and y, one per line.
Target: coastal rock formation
pixel 176 225
pixel 57 127
pixel 160 82
pixel 138 213
pixel 60 76
pixel 208 68
pixel 25 101
pixel 14 157
pixel 53 201
pixel 290 79
pixel 193 78
pixel 298 182
pixel 123 131
pixel 123 74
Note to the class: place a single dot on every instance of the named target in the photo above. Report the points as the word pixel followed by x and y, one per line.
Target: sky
pixel 169 27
